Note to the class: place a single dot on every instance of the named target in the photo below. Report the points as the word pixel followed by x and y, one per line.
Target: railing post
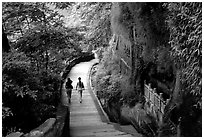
pixel 160 95
pixel 154 93
pixel 149 85
pixel 149 92
pixel 167 101
pixel 144 88
pixel 154 90
pixel 178 128
pixel 160 99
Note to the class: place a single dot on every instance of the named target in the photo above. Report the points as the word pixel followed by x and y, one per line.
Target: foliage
pixel 19 17
pixel 183 30
pixel 191 117
pixel 155 14
pixel 111 84
pixel 128 95
pixel 62 5
pixel 49 50
pixel 96 17
pixel 43 34
pixel 103 75
pixel 28 99
pixel 31 72
pixel 185 23
pixel 92 20
pixel 15 67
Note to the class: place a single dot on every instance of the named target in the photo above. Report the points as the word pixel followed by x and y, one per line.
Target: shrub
pixel 105 76
pixel 110 84
pixel 28 97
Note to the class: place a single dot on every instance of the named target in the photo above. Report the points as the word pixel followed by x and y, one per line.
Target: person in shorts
pixel 80 88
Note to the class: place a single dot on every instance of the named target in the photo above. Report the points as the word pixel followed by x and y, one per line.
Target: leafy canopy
pixel 185 22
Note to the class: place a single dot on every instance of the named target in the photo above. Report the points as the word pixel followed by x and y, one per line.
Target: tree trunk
pixel 177 96
pixel 47 60
pixel 5 43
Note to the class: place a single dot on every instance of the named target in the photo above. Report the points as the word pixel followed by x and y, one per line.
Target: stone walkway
pixel 85 117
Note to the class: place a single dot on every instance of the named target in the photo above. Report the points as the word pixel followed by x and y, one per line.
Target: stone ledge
pixel 15 134
pixel 43 129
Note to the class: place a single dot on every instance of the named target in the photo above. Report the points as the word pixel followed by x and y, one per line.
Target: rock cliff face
pixel 140 42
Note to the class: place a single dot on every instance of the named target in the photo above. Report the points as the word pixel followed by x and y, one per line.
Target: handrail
pixel 152 96
pixel 157 101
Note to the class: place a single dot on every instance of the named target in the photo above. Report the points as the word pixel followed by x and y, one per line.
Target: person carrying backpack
pixel 69 88
pixel 80 88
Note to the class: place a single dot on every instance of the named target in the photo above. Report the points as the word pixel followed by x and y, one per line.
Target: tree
pixel 185 23
pixel 19 17
pixel 37 21
pixel 30 71
pixel 95 22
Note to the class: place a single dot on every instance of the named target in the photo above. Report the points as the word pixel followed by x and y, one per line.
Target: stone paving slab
pixel 85 120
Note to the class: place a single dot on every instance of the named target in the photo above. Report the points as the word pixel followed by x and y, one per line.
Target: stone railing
pixel 152 96
pixel 58 126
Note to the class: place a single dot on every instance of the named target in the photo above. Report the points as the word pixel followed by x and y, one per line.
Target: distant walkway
pixel 85 119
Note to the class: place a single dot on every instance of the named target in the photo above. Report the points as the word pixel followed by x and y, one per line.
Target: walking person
pixel 69 88
pixel 80 88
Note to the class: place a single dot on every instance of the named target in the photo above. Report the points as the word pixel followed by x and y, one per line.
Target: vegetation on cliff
pixel 167 54
pixel 185 25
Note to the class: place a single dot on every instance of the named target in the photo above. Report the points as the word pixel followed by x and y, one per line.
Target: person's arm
pixel 71 84
pixel 83 85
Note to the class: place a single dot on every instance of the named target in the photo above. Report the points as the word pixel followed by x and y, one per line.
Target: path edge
pixel 104 116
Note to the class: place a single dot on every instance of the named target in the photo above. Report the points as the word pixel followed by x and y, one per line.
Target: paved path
pixel 85 117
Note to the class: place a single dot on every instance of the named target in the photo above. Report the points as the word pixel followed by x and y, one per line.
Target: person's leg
pixel 69 95
pixel 79 95
pixel 80 92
